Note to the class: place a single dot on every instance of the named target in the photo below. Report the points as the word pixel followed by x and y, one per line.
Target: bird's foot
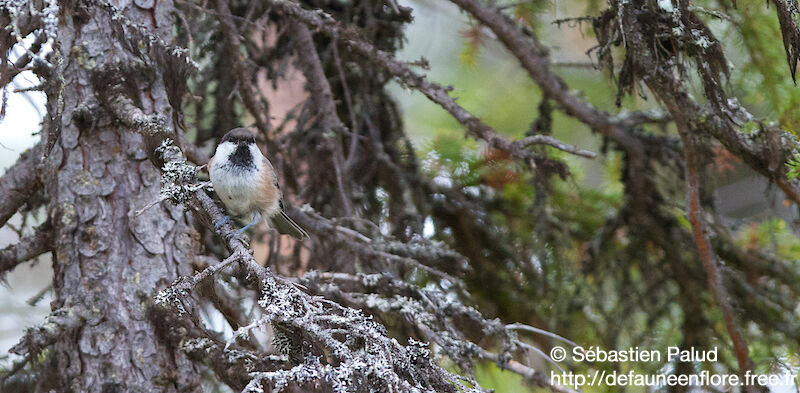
pixel 238 235
pixel 255 217
pixel 221 222
pixel 246 227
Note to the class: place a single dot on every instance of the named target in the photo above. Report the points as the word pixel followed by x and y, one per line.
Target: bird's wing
pixel 281 221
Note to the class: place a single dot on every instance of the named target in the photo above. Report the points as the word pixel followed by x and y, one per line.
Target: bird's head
pixel 239 147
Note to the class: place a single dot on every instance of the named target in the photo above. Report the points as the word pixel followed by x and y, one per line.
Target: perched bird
pixel 247 185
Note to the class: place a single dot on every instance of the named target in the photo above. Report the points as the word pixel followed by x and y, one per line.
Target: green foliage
pixel 772 236
pixel 794 168
pixel 493 377
pixel 469 53
pixel 760 75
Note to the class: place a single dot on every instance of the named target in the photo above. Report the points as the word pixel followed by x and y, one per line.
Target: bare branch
pixel 705 251
pixel 19 183
pixel 26 248
pixel 23 60
pixel 550 141
pixel 519 326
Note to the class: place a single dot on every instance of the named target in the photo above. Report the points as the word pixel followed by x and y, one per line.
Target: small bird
pixel 246 183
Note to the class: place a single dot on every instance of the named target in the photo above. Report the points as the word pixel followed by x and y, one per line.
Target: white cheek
pixel 225 149
pixel 255 151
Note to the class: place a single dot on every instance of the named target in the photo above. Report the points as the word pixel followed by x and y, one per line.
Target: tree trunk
pixel 107 261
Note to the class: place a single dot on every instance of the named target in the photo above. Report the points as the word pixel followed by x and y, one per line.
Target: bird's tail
pixel 287 226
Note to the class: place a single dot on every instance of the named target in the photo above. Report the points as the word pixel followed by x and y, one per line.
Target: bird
pixel 246 183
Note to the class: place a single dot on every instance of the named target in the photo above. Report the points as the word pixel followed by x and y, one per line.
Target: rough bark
pixel 107 262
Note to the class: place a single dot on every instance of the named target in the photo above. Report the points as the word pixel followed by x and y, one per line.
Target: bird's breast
pixel 237 187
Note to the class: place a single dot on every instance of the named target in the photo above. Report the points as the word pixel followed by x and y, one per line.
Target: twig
pixel 23 60
pixel 35 299
pixel 352 154
pixel 546 357
pixel 574 64
pixel 210 271
pixel 550 141
pixel 519 326
pixel 535 377
pixel 365 246
pixel 513 4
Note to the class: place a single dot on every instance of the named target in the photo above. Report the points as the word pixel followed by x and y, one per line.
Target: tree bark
pixel 107 262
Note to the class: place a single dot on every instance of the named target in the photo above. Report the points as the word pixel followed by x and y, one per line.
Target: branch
pixel 403 73
pixel 249 92
pixel 22 61
pixel 322 99
pixel 19 183
pixel 533 57
pixel 433 309
pixel 307 324
pixel 553 142
pixel 55 324
pixel 786 12
pixel 19 19
pixel 193 152
pixel 765 151
pixel 36 338
pixel 409 254
pixel 316 81
pixel 706 252
pixel 231 363
pixel 26 248
pixel 531 376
